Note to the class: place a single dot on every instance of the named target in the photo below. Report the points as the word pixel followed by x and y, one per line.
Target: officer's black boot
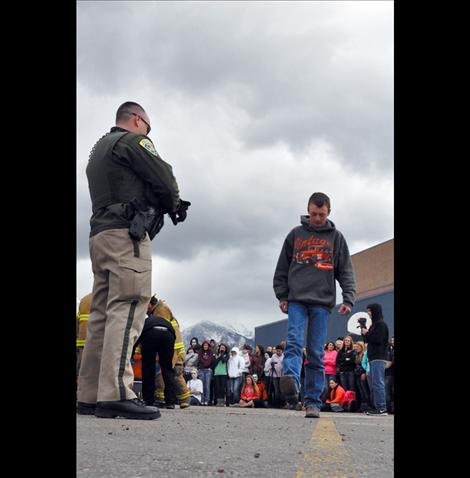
pixel 86 408
pixel 135 409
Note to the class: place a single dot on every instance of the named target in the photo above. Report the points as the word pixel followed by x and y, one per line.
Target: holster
pixel 145 220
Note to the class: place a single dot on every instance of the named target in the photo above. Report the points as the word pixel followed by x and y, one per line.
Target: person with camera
pixel 377 344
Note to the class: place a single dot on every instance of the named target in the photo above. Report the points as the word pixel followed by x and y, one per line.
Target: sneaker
pixel 170 406
pixel 134 409
pixel 312 412
pixel 377 412
pixel 86 408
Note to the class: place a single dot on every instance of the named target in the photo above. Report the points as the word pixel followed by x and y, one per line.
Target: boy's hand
pixel 283 305
pixel 344 309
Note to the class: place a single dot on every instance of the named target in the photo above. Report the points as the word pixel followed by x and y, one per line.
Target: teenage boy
pixel 313 257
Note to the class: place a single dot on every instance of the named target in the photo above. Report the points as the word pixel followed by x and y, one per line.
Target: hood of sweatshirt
pixel 235 349
pixel 305 221
pixel 376 310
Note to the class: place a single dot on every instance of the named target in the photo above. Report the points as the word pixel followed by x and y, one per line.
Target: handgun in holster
pixel 146 219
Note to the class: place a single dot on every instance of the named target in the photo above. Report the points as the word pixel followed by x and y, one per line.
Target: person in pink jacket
pixel 329 363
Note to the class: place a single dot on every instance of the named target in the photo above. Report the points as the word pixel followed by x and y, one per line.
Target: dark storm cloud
pixel 294 87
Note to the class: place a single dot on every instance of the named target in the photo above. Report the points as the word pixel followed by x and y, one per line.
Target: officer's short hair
pixel 125 109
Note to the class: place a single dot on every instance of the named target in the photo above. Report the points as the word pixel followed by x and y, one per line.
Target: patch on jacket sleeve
pixel 148 145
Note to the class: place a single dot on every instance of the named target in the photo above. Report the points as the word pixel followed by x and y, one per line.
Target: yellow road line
pixel 326 456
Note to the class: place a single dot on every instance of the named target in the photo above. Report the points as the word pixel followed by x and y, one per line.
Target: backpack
pixel 349 402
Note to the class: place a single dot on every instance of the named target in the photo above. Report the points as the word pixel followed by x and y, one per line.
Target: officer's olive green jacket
pixel 124 166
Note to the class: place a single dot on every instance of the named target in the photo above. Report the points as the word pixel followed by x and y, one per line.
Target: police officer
pixel 131 189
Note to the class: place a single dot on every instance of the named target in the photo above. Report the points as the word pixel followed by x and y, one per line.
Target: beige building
pixel 374 269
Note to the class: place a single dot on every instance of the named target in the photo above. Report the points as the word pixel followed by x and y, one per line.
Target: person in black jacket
pixel 377 340
pixel 345 362
pixel 158 337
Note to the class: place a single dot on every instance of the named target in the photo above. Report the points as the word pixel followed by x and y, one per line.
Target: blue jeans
pixel 377 374
pixel 205 374
pixel 233 389
pixel 316 319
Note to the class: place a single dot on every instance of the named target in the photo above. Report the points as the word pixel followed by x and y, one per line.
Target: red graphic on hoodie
pixel 313 250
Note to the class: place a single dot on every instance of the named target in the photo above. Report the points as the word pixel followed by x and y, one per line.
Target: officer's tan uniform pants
pixel 121 293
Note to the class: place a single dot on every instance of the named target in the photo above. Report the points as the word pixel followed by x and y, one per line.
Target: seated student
pixel 195 388
pixel 335 402
pixel 262 401
pixel 250 393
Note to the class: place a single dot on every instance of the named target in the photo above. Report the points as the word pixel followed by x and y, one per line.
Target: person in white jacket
pixel 235 366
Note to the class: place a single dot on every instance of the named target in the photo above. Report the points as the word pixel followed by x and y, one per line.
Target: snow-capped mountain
pixel 206 330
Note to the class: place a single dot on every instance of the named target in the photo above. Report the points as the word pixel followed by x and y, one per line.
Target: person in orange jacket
pixel 337 393
pixel 250 393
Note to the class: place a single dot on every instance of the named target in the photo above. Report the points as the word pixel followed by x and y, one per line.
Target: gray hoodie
pixel 311 260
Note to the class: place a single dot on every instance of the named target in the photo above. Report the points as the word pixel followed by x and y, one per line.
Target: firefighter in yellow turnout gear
pixel 82 324
pixel 182 392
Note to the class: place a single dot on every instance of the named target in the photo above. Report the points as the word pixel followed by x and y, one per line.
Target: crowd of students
pixel 219 375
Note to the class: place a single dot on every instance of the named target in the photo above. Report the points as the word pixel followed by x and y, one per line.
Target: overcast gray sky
pixel 256 105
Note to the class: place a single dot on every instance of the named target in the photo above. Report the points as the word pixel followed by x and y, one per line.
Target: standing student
pixel 220 375
pixel 313 257
pixel 346 364
pixel 329 363
pixel 190 362
pixel 205 356
pixel 235 366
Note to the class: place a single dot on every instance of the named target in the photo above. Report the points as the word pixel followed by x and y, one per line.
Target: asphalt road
pixel 213 441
